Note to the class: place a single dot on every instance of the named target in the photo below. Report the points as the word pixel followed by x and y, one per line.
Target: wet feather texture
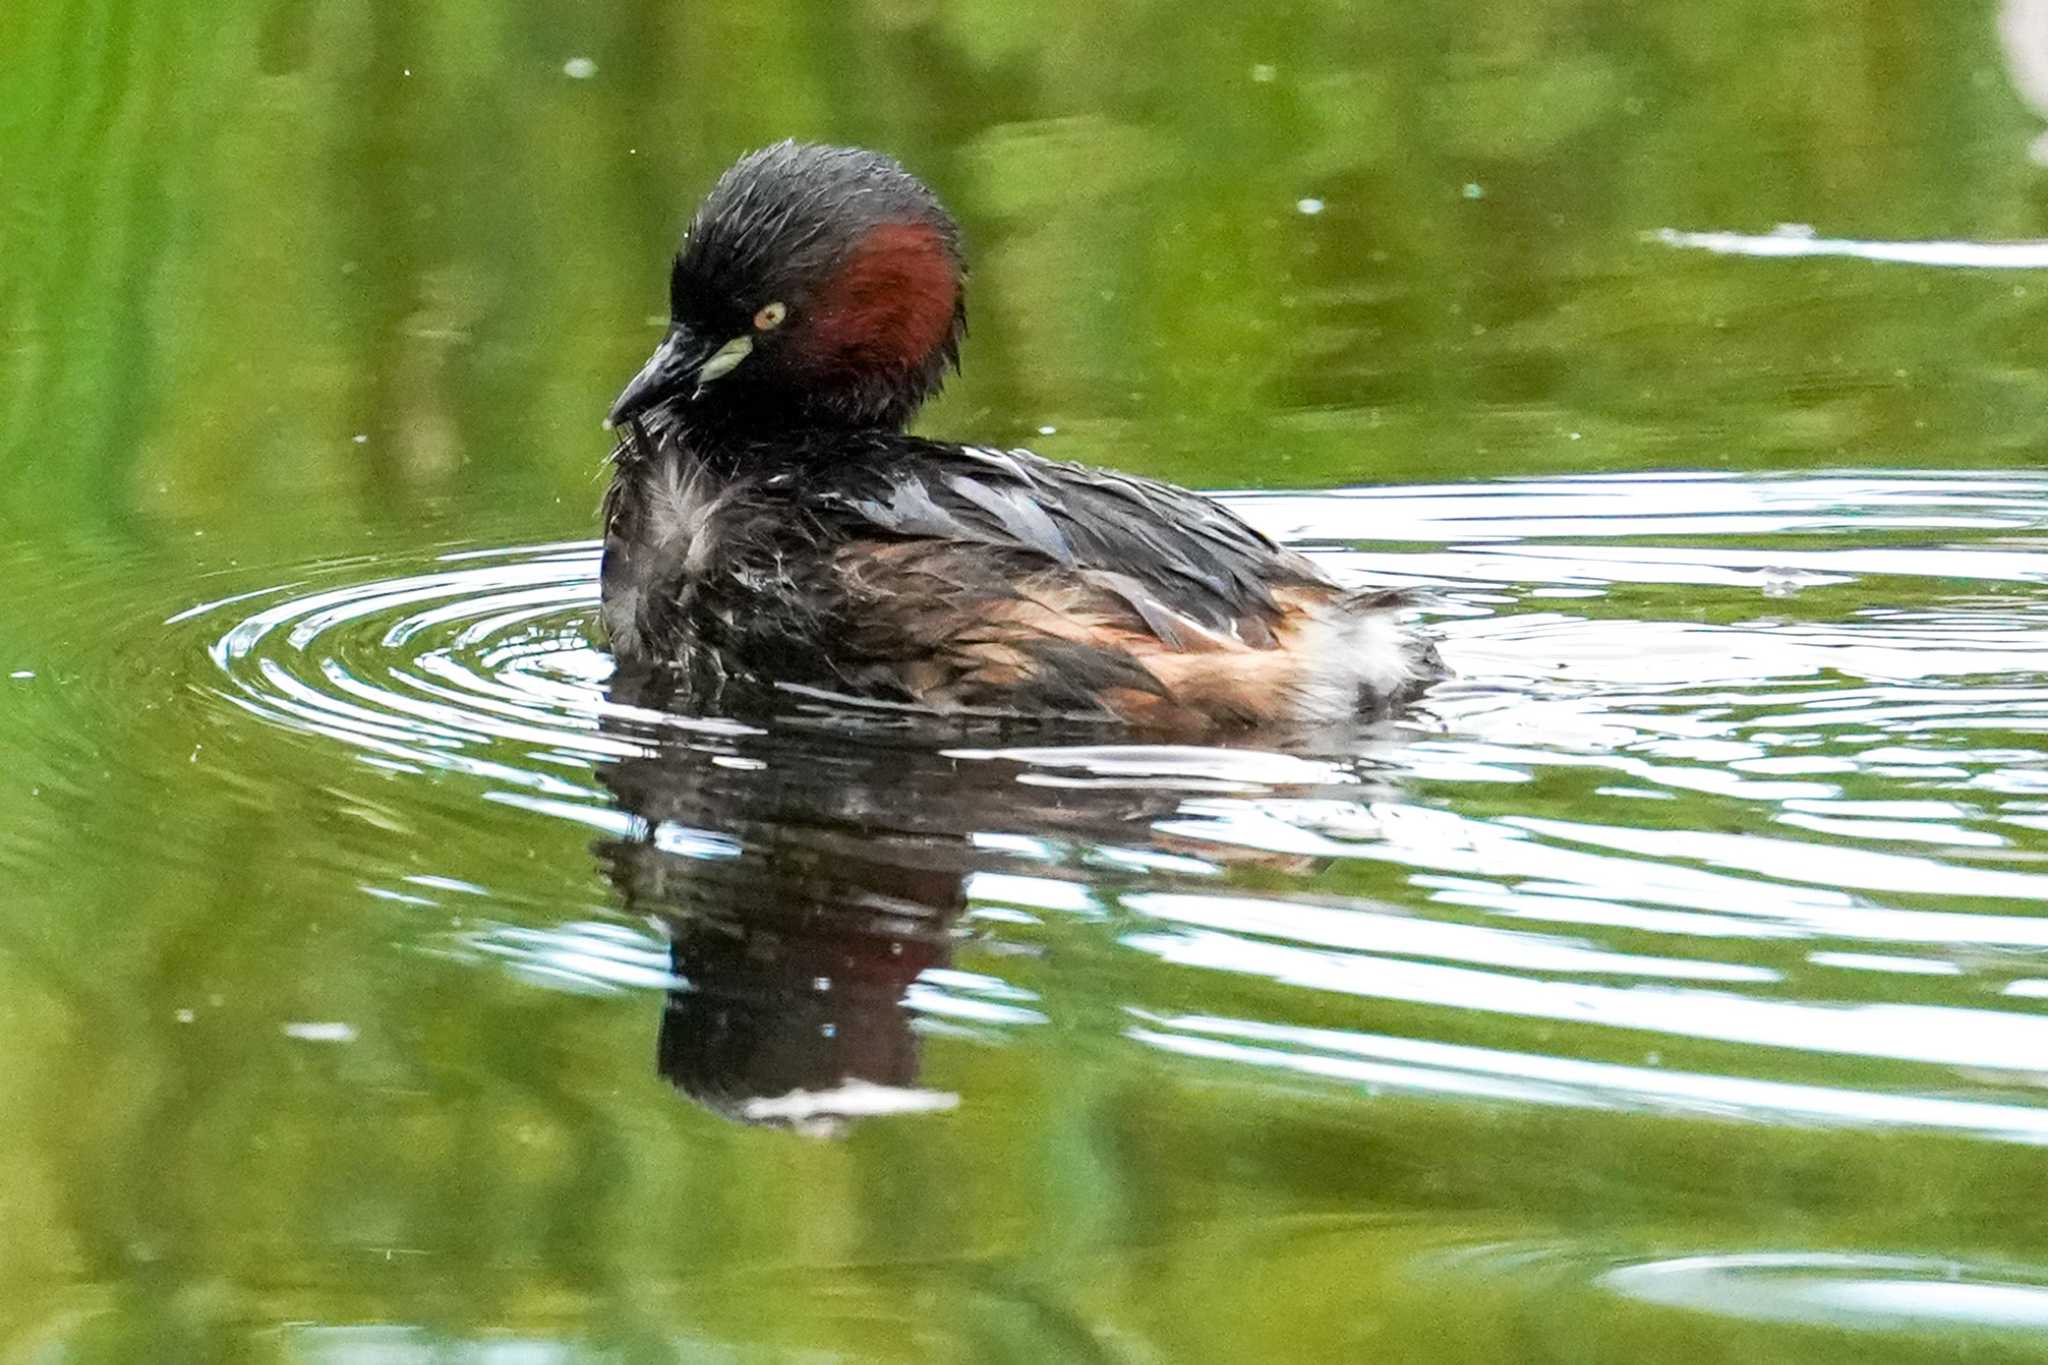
pixel 778 527
pixel 918 571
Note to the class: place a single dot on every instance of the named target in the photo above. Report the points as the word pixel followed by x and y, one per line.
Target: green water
pixel 377 987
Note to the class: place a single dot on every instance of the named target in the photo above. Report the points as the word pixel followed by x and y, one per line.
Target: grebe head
pixel 816 287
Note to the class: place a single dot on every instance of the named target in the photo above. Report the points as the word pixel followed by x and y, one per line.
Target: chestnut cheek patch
pixel 891 304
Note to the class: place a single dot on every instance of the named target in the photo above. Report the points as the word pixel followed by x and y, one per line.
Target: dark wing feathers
pixel 1022 519
pixel 1162 551
pixel 910 510
pixel 1157 618
pixel 953 577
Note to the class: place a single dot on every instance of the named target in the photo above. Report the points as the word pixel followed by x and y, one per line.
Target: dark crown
pixel 862 263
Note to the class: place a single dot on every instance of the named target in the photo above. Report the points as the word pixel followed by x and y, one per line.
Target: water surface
pixel 384 984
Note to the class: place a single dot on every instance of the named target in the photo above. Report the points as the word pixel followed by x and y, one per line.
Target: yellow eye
pixel 770 317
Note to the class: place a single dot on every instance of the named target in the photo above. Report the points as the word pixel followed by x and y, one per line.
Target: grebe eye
pixel 770 317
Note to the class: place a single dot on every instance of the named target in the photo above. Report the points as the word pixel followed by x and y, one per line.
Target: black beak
pixel 669 372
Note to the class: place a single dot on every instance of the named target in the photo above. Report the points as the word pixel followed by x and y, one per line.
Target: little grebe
pixel 769 519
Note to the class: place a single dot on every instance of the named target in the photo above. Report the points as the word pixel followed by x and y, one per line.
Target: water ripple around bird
pixel 1736 807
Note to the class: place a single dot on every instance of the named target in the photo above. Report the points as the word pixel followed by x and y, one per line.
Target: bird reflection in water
pixel 807 875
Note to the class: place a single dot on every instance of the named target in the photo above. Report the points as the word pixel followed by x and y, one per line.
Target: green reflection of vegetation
pixel 239 238
pixel 282 277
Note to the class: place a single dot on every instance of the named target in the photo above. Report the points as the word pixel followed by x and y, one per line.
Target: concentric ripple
pixel 1582 1300
pixel 1865 1293
pixel 482 664
pixel 1737 808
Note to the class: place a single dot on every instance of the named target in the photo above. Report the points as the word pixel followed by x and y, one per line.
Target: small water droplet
pixel 321 1031
pixel 1263 73
pixel 1048 431
pixel 1310 207
pixel 1783 582
pixel 1474 190
pixel 579 68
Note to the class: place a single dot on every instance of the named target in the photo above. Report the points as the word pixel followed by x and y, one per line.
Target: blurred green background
pixel 346 261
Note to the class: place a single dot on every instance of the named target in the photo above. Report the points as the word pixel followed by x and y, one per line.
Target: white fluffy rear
pixel 1358 659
